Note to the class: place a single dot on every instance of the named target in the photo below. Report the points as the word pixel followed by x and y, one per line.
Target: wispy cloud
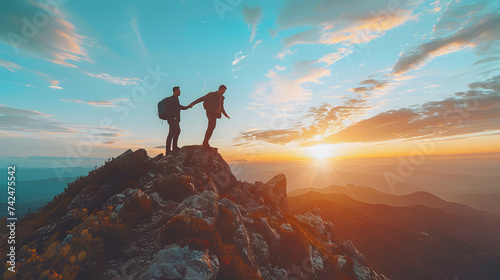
pixel 336 56
pixel 124 81
pixel 31 121
pixel 11 66
pixel 290 87
pixel 238 57
pixel 346 22
pixel 476 110
pixel 135 28
pixel 321 121
pixel 57 41
pixel 369 85
pixel 106 103
pixel 252 17
pixel 457 29
pixel 281 55
pixel 256 43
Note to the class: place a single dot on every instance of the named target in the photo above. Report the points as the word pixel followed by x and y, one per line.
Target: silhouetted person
pixel 174 117
pixel 213 102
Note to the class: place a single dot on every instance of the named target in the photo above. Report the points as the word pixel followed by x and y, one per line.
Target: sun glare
pixel 321 152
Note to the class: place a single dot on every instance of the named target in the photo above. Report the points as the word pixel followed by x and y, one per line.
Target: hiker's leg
pixel 177 132
pixel 170 136
pixel 210 129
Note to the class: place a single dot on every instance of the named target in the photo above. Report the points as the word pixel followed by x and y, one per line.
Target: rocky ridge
pixel 185 213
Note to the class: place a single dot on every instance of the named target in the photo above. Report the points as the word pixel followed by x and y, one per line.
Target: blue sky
pixel 366 77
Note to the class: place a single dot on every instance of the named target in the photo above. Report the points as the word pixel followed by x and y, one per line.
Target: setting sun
pixel 321 152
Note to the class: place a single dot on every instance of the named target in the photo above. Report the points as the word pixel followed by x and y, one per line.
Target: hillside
pixel 412 242
pixel 180 216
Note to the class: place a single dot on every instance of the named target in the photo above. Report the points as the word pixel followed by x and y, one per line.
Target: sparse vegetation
pixel 175 187
pixel 196 231
pixel 80 255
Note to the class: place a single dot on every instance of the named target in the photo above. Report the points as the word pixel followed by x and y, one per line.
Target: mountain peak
pixel 183 216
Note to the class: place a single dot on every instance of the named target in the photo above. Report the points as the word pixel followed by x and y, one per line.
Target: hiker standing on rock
pixel 173 108
pixel 213 102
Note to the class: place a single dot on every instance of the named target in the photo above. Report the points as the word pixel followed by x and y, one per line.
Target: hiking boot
pixel 205 146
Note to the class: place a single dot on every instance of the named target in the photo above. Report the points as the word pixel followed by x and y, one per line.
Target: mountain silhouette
pixel 441 240
pixel 179 216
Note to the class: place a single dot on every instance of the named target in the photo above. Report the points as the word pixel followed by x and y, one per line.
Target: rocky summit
pixel 180 216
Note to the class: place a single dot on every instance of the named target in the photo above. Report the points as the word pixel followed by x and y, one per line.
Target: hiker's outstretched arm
pixel 198 100
pixel 184 107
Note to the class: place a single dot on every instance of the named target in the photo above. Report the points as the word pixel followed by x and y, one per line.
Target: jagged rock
pixel 205 203
pixel 277 187
pixel 316 259
pixel 174 262
pixel 196 182
pixel 118 200
pixel 286 226
pixel 275 274
pixel 124 155
pixel 271 235
pixel 158 157
pixel 260 248
pixel 313 217
pixel 351 251
pixel 91 201
pixel 205 161
pixel 242 239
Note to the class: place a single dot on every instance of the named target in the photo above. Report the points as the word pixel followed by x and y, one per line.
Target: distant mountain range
pixel 414 236
pixel 31 194
pixel 478 186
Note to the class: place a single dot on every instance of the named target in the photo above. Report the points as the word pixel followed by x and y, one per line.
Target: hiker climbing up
pixel 213 102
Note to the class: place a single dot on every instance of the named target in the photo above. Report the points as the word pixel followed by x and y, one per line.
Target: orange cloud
pixel 481 34
pixel 474 111
pixel 56 41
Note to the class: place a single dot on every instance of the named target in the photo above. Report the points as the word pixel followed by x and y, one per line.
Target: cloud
pixel 256 43
pixel 403 78
pixel 55 84
pixel 476 110
pixel 279 136
pixel 459 29
pixel 11 66
pixel 321 121
pixel 114 80
pixel 252 16
pixel 26 85
pixel 107 103
pixel 135 28
pixel 431 120
pixel 53 37
pixel 30 121
pixel 369 85
pixel 346 22
pixel 238 59
pixel 290 87
pixel 284 53
pixel 334 57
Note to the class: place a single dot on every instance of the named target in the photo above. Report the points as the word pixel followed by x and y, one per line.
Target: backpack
pixel 164 108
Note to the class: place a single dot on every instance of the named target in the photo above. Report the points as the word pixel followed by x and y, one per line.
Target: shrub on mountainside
pixel 197 232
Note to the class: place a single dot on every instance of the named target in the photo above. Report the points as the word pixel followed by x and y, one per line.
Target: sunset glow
pixel 321 152
pixel 380 82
